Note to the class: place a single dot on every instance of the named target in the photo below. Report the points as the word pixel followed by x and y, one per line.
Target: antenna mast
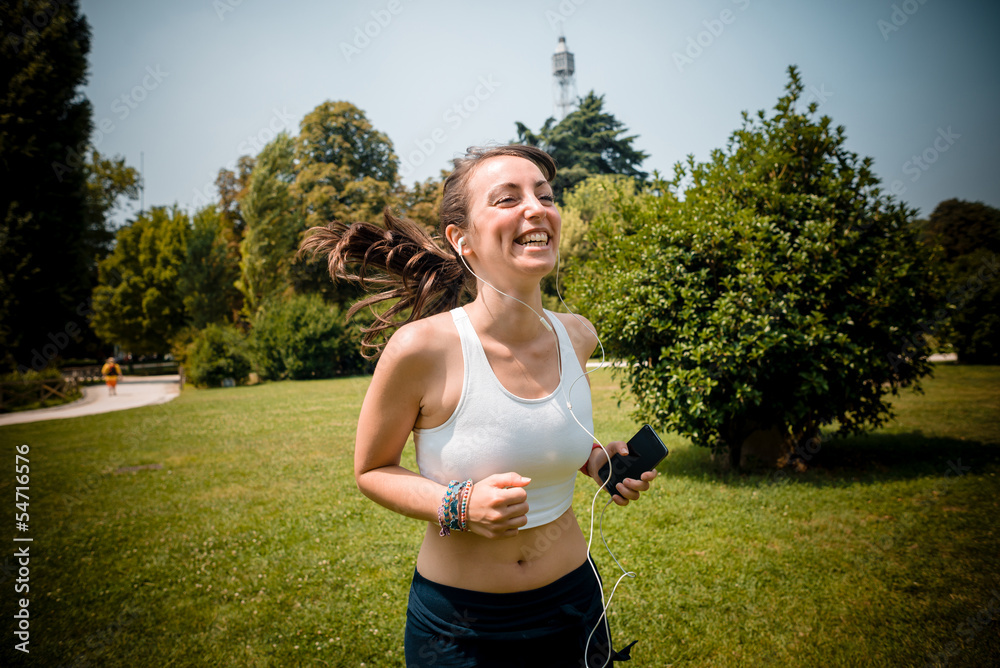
pixel 142 184
pixel 565 85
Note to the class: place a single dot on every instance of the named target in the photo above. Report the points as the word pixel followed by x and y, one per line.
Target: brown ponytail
pixel 409 268
pixel 421 276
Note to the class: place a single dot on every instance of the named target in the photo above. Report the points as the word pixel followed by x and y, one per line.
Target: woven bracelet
pixel 451 510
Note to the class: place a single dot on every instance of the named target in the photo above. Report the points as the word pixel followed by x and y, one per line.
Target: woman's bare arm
pixel 388 415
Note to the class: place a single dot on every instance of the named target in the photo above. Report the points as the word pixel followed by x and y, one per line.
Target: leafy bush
pixel 23 390
pixel 593 201
pixel 32 376
pixel 773 299
pixel 303 337
pixel 218 352
pixel 967 234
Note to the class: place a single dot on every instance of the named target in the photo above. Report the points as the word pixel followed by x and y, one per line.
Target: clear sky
pixel 193 84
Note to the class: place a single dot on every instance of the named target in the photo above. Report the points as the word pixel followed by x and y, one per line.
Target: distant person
pixel 503 576
pixel 111 372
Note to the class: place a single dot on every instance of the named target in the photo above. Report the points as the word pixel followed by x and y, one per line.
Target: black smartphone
pixel 645 451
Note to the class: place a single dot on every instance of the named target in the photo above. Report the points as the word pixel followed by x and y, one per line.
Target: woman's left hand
pixel 630 488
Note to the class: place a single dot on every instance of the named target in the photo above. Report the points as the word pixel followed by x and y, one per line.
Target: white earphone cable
pixel 569 406
pixel 593 503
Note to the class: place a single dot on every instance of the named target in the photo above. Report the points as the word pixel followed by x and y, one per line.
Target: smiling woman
pixel 488 390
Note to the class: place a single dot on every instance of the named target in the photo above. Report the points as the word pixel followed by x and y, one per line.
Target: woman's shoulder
pixel 581 332
pixel 422 342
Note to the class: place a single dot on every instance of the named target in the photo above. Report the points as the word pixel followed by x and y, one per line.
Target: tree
pixel 968 236
pixel 587 141
pixel 962 228
pixel 346 168
pixel 598 198
pixel 274 225
pixel 108 181
pixel 46 270
pixel 210 272
pixel 347 171
pixel 595 200
pixel 138 302
pixel 421 202
pixel 774 299
pixel 232 187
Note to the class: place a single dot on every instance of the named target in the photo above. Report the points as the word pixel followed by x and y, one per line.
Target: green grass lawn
pixel 251 545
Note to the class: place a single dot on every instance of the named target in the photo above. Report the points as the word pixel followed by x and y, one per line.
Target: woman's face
pixel 513 222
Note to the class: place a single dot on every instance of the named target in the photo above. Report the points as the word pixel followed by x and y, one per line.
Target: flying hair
pixel 399 264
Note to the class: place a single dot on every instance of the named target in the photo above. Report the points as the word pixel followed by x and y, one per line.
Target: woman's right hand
pixel 498 505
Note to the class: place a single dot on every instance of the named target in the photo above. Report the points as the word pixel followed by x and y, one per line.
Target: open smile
pixel 533 239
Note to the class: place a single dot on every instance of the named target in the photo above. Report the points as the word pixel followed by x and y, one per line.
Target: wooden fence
pixel 91 374
pixel 82 374
pixel 16 394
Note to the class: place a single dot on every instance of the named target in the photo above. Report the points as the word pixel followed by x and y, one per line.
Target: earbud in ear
pixel 461 242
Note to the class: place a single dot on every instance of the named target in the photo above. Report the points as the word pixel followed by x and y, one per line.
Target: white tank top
pixel 494 431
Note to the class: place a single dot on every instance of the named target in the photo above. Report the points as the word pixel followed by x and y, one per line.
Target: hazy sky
pixel 193 84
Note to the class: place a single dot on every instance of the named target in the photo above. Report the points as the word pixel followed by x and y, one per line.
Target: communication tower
pixel 565 84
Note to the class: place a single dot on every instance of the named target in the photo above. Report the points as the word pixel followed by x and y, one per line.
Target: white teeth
pixel 534 239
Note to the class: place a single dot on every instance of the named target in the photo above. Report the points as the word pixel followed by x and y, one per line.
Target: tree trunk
pixel 765 447
pixel 753 445
pixel 735 455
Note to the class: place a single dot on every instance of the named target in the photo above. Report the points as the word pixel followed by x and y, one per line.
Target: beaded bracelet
pixel 463 513
pixel 453 512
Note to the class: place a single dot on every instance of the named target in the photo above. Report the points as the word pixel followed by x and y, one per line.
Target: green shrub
pixel 22 391
pixel 968 237
pixel 31 376
pixel 218 352
pixel 777 296
pixel 303 337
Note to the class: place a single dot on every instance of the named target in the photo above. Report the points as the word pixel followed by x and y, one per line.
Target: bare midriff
pixel 533 558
